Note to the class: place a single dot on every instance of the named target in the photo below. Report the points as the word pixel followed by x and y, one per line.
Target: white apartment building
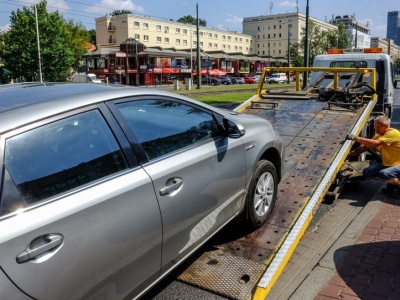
pixel 273 33
pixel 152 32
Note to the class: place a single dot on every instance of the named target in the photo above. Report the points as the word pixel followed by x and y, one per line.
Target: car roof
pixel 24 103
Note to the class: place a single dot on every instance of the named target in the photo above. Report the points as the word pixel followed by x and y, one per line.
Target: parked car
pixel 210 80
pixel 225 80
pixel 256 78
pixel 250 80
pixel 105 188
pixel 278 78
pixel 237 80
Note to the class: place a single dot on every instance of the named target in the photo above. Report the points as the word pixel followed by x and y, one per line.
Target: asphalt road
pixel 172 289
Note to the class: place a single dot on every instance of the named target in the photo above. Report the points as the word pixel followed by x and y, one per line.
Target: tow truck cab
pixel 363 58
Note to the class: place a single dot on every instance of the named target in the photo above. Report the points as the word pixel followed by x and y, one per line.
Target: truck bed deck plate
pixel 313 136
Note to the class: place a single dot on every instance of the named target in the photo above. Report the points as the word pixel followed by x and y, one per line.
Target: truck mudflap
pixel 241 264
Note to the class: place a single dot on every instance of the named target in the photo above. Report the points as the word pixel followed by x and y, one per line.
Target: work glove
pixel 351 136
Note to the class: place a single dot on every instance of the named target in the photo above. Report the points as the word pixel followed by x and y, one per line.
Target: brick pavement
pixel 371 267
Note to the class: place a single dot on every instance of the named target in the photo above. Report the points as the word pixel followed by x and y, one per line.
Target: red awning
pixel 216 72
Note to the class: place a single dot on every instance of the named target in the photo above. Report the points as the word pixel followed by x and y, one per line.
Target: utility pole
pixel 198 48
pixel 306 51
pixel 38 46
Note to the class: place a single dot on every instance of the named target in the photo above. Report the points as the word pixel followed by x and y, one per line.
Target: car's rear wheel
pixel 261 194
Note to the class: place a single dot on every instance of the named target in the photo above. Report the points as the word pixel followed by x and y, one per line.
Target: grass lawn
pixel 215 95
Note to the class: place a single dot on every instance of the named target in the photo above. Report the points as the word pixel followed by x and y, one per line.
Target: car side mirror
pixel 233 130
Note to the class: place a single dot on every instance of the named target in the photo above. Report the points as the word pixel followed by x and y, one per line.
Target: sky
pixel 222 14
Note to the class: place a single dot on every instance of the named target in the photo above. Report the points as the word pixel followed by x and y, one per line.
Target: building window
pixel 166 40
pixel 177 42
pixel 236 39
pixel 177 31
pixel 263 52
pixel 146 38
pixel 240 48
pixel 166 29
pixel 236 48
pixel 274 35
pixel 136 24
pixel 215 45
pixel 229 38
pixel 184 42
pixel 223 37
pixel 229 47
pixel 159 39
pixel 194 43
pixel 280 26
pixel 223 46
pixel 184 31
pixel 279 51
pixel 274 26
pixel 240 40
pixel 201 44
pixel 158 27
pixel 209 45
pixel 210 35
pixel 280 35
pixel 145 25
pixel 216 36
pixel 137 36
pixel 247 40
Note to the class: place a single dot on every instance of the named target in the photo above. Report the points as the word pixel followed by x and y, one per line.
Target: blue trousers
pixel 380 171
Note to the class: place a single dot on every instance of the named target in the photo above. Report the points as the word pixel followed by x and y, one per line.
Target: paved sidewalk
pixel 371 268
pixel 351 253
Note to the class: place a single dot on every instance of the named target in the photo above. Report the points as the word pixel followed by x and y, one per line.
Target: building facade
pixel 272 34
pixel 393 27
pixel 361 33
pixel 152 32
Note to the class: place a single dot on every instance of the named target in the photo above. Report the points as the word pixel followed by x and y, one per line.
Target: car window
pixel 164 126
pixel 62 155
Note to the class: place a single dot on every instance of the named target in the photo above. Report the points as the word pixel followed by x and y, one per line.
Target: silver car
pixel 107 188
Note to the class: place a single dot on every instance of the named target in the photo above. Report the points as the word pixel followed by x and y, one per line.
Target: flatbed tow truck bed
pixel 245 265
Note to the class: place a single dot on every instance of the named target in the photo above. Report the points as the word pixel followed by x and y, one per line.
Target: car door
pixel 199 175
pixel 79 219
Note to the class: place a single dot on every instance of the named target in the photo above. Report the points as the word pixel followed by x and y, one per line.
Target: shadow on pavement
pixel 368 270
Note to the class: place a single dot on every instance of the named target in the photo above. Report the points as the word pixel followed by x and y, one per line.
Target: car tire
pixel 261 194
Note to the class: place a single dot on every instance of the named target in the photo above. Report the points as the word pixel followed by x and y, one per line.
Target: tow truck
pixel 313 122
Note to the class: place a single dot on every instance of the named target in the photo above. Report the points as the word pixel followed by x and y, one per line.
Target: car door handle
pixel 39 246
pixel 172 185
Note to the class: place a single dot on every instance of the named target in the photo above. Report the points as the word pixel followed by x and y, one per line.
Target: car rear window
pixel 61 156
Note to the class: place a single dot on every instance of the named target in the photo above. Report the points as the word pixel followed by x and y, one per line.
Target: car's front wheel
pixel 261 194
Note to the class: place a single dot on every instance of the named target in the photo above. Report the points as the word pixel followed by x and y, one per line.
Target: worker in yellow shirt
pixel 387 142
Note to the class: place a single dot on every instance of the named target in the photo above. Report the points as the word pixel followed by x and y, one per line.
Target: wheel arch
pixel 272 155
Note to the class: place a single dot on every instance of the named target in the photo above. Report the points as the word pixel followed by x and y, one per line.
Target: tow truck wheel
pixel 261 194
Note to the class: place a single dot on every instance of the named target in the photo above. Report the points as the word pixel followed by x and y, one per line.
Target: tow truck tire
pixel 261 194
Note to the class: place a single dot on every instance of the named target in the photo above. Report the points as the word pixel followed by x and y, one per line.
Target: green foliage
pixel 118 12
pixel 296 57
pixel 59 43
pixel 78 38
pixel 92 36
pixel 191 20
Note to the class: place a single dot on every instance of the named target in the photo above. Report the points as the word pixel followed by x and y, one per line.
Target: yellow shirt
pixel 390 149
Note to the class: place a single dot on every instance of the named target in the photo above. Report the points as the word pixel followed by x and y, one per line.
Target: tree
pixel 21 48
pixel 92 36
pixel 296 57
pixel 191 20
pixel 118 12
pixel 78 38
